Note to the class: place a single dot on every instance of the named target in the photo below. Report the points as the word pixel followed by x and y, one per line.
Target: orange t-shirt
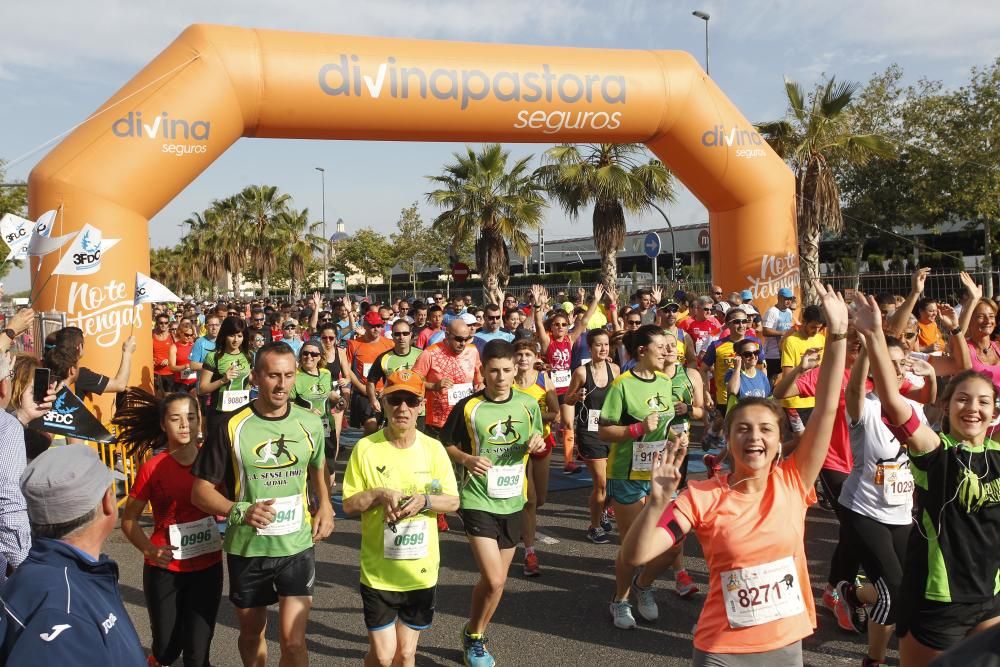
pixel 438 362
pixel 930 334
pixel 362 354
pixel 737 531
pixel 161 352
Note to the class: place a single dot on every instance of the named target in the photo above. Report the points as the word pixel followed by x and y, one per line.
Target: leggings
pixel 882 548
pixel 182 608
pixel 845 563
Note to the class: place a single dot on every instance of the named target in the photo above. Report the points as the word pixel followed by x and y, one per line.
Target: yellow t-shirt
pixel 538 393
pixel 424 467
pixel 792 348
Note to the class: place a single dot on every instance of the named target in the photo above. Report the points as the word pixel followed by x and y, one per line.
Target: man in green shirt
pixel 402 355
pixel 490 434
pixel 262 455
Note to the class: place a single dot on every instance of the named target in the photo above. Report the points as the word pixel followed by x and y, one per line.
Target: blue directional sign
pixel 651 245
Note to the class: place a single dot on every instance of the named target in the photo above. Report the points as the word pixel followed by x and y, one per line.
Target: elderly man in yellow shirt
pixel 793 346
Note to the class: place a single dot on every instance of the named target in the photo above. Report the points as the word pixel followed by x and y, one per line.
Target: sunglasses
pixel 633 323
pixel 309 354
pixel 750 353
pixel 492 318
pixel 292 326
pixel 707 310
pixel 717 293
pixel 163 323
pixel 258 319
pixel 400 334
pixel 398 399
pixel 461 339
pixel 910 335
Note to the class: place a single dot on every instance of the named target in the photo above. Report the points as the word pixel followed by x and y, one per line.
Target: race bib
pixel 897 483
pixel 233 400
pixel 505 481
pixel 762 593
pixel 287 517
pixel 593 417
pixel 560 378
pixel 408 541
pixel 642 454
pixel 457 392
pixel 187 375
pixel 194 538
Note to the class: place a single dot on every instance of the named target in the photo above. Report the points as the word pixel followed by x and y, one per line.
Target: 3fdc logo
pixel 91 254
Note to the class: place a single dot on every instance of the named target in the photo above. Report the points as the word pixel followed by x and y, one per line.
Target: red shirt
pixel 701 332
pixel 161 353
pixel 839 456
pixel 558 356
pixel 166 485
pixel 183 358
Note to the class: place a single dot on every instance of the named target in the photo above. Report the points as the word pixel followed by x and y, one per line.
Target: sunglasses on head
pixel 309 354
pixel 399 398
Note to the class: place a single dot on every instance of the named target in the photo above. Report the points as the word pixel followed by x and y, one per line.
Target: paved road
pixel 559 618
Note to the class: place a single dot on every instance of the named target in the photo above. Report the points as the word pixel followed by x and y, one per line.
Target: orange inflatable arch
pixel 215 84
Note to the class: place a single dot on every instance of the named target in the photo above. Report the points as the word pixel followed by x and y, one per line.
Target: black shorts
pixel 414 609
pixel 941 625
pixel 360 411
pixel 258 581
pixel 163 383
pixel 590 448
pixel 504 528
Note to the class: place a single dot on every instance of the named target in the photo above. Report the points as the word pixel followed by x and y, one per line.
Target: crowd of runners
pixel 881 407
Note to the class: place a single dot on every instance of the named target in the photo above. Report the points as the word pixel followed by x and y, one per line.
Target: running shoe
pixel 598 535
pixel 572 468
pixel 606 520
pixel 531 568
pixel 850 617
pixel 712 466
pixel 830 598
pixel 645 602
pixel 474 650
pixel 442 523
pixel 621 612
pixel 683 584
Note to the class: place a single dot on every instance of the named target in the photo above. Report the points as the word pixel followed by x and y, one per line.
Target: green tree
pixel 261 207
pixel 303 245
pixel 12 200
pixel 614 178
pixel 495 205
pixel 366 252
pixel 817 138
pixel 408 241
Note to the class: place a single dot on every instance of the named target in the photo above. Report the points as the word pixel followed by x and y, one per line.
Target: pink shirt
pixel 977 365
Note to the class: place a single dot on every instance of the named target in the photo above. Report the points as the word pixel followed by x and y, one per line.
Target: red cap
pixel 373 318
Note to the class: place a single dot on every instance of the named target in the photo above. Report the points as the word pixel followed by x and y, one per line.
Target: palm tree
pixel 614 178
pixel 496 205
pixel 303 244
pixel 260 206
pixel 813 143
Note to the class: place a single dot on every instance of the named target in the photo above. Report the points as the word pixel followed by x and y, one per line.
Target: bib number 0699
pixel 409 540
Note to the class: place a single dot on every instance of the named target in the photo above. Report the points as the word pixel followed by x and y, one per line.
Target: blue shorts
pixel 627 491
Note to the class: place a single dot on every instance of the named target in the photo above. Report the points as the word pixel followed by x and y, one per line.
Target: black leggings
pixel 844 563
pixel 882 548
pixel 182 608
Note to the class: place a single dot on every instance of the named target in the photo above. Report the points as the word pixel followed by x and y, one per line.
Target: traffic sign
pixel 460 271
pixel 338 281
pixel 651 245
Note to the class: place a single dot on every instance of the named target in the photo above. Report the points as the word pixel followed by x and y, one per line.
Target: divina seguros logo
pixel 750 143
pixel 166 129
pixel 349 76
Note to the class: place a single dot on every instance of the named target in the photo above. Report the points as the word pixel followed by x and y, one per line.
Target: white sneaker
pixel 621 612
pixel 646 602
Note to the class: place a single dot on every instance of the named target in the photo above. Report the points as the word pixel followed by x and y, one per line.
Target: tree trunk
pixel 264 289
pixel 808 261
pixel 609 270
pixel 609 234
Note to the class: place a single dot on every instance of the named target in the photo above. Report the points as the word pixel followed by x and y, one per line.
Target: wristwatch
pixel 956 331
pixel 10 334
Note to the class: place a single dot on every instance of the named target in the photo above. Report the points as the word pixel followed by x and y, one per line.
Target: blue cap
pixel 746 295
pixel 786 293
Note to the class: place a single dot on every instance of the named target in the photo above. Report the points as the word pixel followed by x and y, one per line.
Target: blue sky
pixel 60 59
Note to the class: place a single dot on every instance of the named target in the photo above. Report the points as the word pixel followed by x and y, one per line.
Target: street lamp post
pixel 673 243
pixel 326 239
pixel 704 17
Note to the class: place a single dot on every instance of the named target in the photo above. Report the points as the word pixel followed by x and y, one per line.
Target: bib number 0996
pixel 196 538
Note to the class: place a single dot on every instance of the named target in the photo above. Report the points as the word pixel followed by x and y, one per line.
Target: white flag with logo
pixel 84 256
pixel 16 233
pixel 148 290
pixel 41 241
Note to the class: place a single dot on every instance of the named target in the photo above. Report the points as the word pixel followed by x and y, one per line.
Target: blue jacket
pixel 60 609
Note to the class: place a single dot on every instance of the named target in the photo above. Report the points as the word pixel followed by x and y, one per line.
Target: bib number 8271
pixel 196 538
pixel 756 595
pixel 409 540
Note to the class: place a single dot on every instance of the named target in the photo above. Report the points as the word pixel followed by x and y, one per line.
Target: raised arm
pixel 811 452
pixel 120 381
pixel 868 321
pixel 733 376
pixel 854 394
pixel 541 297
pixel 581 326
pixel 897 322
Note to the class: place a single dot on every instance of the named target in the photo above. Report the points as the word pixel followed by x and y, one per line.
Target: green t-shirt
pixel 683 392
pixel 258 458
pixel 423 467
pixel 630 399
pixel 500 432
pixel 221 400
pixel 313 389
pixel 388 362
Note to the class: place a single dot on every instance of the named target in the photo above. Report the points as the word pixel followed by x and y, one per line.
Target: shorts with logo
pixel 941 625
pixel 504 528
pixel 414 609
pixel 627 491
pixel 258 581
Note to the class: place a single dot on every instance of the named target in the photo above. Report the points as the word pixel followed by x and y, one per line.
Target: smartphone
pixel 41 389
pixel 680 429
